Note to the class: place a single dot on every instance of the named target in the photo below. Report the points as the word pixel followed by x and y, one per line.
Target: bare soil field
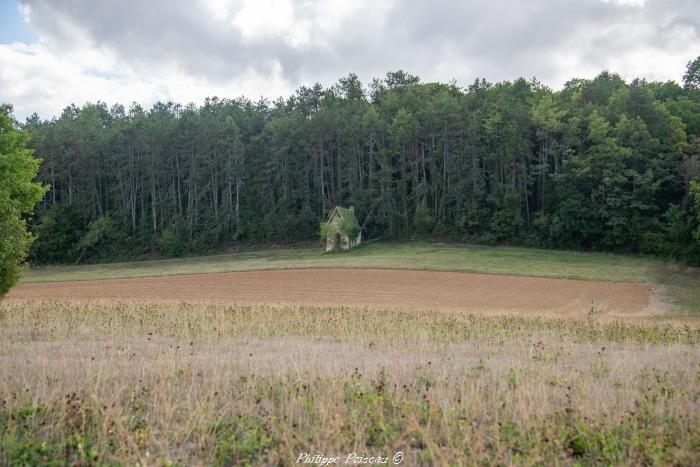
pixel 405 289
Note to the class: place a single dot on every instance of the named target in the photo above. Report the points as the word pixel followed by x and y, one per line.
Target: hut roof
pixel 345 214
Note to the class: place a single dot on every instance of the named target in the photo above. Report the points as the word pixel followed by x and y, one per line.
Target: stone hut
pixel 342 229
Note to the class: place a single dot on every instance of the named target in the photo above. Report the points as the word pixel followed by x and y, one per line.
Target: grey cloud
pixel 498 39
pixel 508 39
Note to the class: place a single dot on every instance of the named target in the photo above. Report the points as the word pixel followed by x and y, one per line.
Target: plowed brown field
pixel 377 288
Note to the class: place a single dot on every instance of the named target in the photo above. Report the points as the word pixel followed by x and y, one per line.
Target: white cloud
pixel 36 79
pixel 636 3
pixel 261 19
pixel 219 9
pixel 184 51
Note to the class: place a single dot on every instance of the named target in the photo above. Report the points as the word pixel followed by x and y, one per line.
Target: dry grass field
pixel 114 382
pixel 262 368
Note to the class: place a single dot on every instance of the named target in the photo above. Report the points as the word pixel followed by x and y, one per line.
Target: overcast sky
pixel 57 52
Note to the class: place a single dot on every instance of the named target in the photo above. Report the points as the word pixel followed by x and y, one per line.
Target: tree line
pixel 600 164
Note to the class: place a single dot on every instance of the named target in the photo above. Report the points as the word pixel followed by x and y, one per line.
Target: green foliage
pixel 23 439
pixel 695 199
pixel 172 243
pixel 58 232
pixel 324 231
pixel 242 440
pixel 504 225
pixel 349 228
pixel 97 231
pixel 691 78
pixel 688 110
pixel 424 222
pixel 101 239
pixel 18 443
pixel 18 196
pixel 343 226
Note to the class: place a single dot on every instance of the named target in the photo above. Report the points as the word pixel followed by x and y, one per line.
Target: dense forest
pixel 600 164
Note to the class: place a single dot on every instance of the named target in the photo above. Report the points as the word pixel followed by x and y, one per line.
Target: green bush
pixel 242 440
pixel 324 230
pixel 18 196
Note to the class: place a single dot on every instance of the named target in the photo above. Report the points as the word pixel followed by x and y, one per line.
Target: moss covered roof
pixel 345 214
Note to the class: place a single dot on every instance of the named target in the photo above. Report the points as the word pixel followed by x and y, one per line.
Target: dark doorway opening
pixel 336 241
